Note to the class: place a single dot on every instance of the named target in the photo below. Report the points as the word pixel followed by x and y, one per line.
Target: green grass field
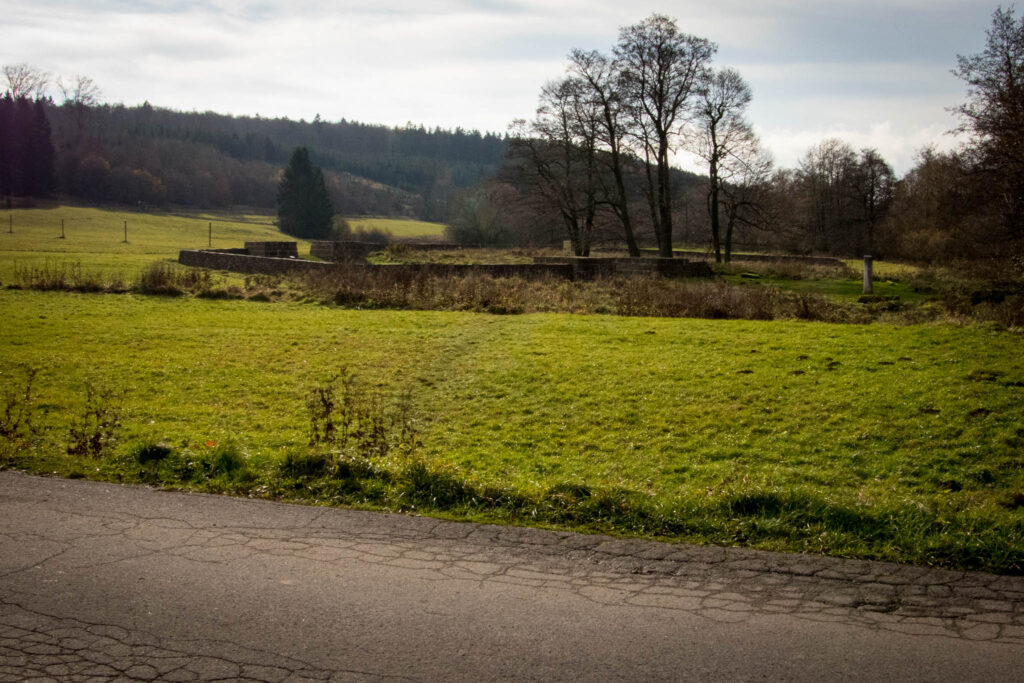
pixel 879 441
pixel 95 237
pixel 398 227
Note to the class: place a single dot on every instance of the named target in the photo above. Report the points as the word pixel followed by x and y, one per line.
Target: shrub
pixel 64 276
pixel 345 414
pixel 18 410
pixel 97 426
pixel 158 278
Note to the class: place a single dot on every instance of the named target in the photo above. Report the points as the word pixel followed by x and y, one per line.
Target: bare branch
pixel 25 80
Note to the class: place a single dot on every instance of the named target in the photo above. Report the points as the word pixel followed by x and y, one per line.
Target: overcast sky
pixel 874 73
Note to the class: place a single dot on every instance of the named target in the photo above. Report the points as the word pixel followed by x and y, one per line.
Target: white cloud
pixel 875 73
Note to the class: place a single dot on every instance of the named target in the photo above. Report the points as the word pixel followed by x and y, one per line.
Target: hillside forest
pixel 593 167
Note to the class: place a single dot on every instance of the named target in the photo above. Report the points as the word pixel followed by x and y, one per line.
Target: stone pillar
pixel 869 282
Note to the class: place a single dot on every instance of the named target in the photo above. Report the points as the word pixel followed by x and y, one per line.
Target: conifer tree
pixel 26 148
pixel 303 206
pixel 39 162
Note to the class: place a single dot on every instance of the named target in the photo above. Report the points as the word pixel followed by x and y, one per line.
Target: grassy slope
pixel 760 430
pixel 95 237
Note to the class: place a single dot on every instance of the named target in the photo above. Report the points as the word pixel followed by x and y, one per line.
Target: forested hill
pixel 154 156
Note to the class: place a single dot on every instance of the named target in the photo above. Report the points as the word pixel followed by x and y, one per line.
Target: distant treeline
pixel 157 156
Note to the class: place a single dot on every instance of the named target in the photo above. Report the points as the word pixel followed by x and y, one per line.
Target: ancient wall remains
pixel 569 268
pixel 273 249
pixel 766 258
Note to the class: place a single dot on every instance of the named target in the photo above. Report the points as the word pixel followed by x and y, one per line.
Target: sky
pixel 875 73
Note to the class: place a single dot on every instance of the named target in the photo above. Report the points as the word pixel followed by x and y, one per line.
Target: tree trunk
pixel 716 239
pixel 572 227
pixel 623 201
pixel 664 200
pixel 730 222
pixel 651 203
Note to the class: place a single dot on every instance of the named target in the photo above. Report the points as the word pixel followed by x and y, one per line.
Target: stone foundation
pixel 765 258
pixel 252 259
pixel 273 249
pixel 586 267
pixel 343 252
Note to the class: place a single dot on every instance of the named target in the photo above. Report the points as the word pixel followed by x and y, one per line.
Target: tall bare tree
pixel 25 80
pixel 826 172
pixel 875 187
pixel 747 195
pixel 661 69
pixel 845 197
pixel 723 138
pixel 601 88
pixel 80 95
pixel 994 115
pixel 557 155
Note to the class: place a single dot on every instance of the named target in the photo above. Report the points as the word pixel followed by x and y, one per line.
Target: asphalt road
pixel 103 581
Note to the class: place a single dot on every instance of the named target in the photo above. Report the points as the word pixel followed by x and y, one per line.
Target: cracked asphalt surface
pixel 105 582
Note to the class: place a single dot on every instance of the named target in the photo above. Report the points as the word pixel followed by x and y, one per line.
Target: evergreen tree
pixel 26 148
pixel 39 171
pixel 303 207
pixel 8 141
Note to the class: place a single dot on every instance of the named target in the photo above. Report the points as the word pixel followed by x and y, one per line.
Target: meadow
pixel 95 237
pixel 897 442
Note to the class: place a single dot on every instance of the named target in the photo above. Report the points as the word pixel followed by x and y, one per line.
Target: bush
pixel 346 415
pixel 19 409
pixel 159 278
pixel 96 428
pixel 65 276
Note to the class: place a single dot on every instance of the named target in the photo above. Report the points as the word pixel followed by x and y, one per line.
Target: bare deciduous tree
pixel 826 172
pixel 661 69
pixel 25 80
pixel 601 85
pixel 875 187
pixel 723 138
pixel 557 155
pixel 747 192
pixel 994 115
pixel 80 94
pixel 79 90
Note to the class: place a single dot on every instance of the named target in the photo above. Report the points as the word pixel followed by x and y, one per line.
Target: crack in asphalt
pixel 729 585
pixel 37 645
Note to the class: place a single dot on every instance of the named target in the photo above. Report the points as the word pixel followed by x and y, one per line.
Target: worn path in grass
pixel 103 581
